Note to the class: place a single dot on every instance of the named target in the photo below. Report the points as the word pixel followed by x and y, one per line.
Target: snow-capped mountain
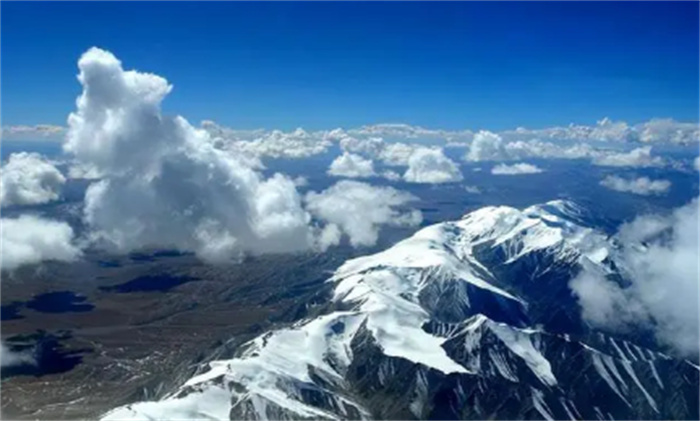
pixel 467 319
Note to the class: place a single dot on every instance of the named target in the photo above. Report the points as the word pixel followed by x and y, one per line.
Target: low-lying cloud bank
pixel 29 179
pixel 10 358
pixel 660 256
pixel 30 239
pixel 515 169
pixel 638 157
pixel 643 186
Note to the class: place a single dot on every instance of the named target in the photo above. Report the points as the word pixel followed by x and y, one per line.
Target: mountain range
pixel 468 319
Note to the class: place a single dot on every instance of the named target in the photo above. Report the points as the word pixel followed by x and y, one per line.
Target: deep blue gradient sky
pixel 323 65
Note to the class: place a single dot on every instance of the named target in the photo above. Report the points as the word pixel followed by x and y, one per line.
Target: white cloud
pixel 659 130
pixel 301 181
pixel 638 157
pixel 227 134
pixel 660 256
pixel 395 154
pixel 259 143
pixel 9 358
pixel 538 149
pixel 29 239
pixel 408 132
pixel 77 170
pixel 486 146
pixel 37 132
pixel 642 185
pixel 515 169
pixel 294 145
pixel 472 189
pixel 431 166
pixel 351 166
pixel 29 179
pixel 398 154
pixel 696 163
pixel 358 210
pixel 606 130
pixel 164 183
pixel 391 175
pixel 366 146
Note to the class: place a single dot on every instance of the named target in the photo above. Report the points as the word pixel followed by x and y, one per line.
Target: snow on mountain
pixel 432 326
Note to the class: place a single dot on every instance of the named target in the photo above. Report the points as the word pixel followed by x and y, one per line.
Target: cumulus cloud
pixel 296 144
pixel 538 149
pixel 638 157
pixel 366 146
pixel 516 145
pixel 351 166
pixel 431 166
pixel 29 179
pixel 398 154
pixel 358 210
pixel 486 146
pixel 76 170
pixel 393 154
pixel 10 358
pixel 667 130
pixel 408 132
pixel 641 186
pixel 29 239
pixel 167 184
pixel 36 132
pixel 607 130
pixel 301 181
pixel 164 183
pixel 659 255
pixel 391 175
pixel 515 169
pixel 259 143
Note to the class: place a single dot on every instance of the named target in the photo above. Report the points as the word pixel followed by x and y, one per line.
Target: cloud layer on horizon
pixel 656 130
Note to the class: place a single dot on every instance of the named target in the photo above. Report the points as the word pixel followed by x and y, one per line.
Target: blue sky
pixel 323 65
